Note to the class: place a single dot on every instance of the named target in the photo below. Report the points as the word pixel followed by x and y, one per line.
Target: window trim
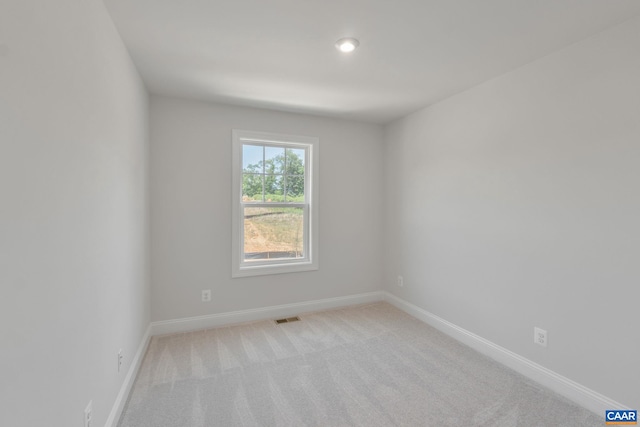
pixel 310 262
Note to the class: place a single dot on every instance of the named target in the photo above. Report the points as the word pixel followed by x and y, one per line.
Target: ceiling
pixel 280 54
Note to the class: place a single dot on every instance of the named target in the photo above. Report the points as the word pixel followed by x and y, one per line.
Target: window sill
pixel 262 270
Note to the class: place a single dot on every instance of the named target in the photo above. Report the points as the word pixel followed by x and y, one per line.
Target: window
pixel 275 203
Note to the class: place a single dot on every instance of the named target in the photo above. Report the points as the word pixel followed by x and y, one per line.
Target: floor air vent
pixel 287 320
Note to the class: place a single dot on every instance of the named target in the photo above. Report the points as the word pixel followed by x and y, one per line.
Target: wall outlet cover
pixel 540 336
pixel 206 295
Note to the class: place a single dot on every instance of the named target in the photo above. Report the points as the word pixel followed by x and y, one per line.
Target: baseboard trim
pixel 285 310
pixel 578 393
pixel 121 400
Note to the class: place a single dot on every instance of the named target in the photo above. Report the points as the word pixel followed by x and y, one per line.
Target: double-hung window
pixel 275 203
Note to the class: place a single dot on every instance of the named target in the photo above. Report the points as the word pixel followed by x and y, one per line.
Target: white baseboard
pixel 121 400
pixel 578 393
pixel 272 312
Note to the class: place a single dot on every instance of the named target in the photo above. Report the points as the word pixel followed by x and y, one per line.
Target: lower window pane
pixel 273 233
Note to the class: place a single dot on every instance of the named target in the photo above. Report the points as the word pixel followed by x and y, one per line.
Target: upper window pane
pixel 294 188
pixel 252 158
pixel 295 161
pixel 274 188
pixel 274 160
pixel 252 187
pixel 273 174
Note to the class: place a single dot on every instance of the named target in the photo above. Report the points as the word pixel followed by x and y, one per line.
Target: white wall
pixel 191 210
pixel 73 211
pixel 516 204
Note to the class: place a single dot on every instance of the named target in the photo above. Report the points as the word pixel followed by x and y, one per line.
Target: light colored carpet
pixel 369 365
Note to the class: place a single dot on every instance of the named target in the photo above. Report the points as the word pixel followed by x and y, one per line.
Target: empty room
pixel 319 213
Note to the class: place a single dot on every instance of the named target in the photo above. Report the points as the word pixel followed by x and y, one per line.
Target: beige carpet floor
pixel 370 365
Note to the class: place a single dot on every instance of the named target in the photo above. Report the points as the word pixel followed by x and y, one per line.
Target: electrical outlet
pixel 88 414
pixel 400 281
pixel 120 358
pixel 540 336
pixel 206 295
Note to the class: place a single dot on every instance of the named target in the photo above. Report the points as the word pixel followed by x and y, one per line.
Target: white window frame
pixel 240 267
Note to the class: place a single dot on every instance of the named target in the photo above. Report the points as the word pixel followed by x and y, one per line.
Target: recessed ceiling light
pixel 347 44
